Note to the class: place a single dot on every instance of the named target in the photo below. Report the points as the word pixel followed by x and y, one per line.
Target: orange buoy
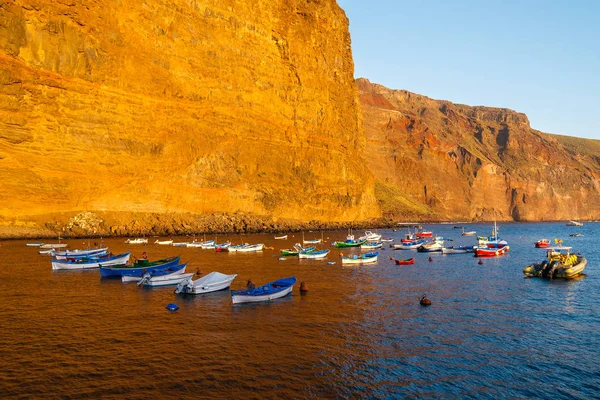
pixel 341 254
pixel 430 259
pixel 392 258
pixel 425 301
pixel 480 262
pixel 303 287
pixel 198 272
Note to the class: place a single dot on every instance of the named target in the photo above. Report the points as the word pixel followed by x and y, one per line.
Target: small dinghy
pixel 313 254
pixel 63 255
pixel 177 270
pixel 91 262
pixel 140 267
pixel 136 241
pixel 164 280
pixel 281 237
pixel 371 245
pixel 490 251
pixel 222 247
pixel 409 261
pixel 212 282
pixel 246 248
pixel 34 244
pixel 269 291
pixel 457 250
pixel 367 258
pixel 164 242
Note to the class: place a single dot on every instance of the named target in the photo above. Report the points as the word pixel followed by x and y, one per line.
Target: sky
pixel 541 58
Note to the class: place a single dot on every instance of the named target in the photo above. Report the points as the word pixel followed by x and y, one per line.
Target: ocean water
pixel 358 333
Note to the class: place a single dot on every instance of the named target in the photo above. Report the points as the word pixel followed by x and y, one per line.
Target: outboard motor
pixel 549 269
pixel 144 279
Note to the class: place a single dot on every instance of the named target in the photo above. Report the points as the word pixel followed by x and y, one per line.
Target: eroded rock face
pixel 180 106
pixel 442 161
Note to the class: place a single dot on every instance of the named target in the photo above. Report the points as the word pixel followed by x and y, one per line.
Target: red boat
pixel 405 262
pixel 424 234
pixel 490 252
pixel 542 243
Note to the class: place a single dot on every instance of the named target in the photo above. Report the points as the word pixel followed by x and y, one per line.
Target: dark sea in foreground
pixel 358 333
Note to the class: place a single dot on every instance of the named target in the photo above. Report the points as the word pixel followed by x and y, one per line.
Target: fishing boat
pixel 61 255
pixel 164 280
pixel 371 245
pixel 370 237
pixel 409 245
pixel 178 270
pixel 408 261
pixel 367 258
pixel 53 246
pixel 222 246
pixel 314 254
pixel 424 234
pixel 490 251
pixel 436 245
pixel 297 249
pixel 212 282
pixel 542 243
pixel 164 242
pixel 469 233
pixel 457 250
pixel 281 237
pixel 246 248
pixel 136 241
pixel 269 291
pixel 140 267
pixel 574 223
pixel 560 263
pixel 349 243
pixel 91 262
pixel 493 241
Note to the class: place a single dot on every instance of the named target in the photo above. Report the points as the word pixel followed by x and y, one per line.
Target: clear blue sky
pixel 541 58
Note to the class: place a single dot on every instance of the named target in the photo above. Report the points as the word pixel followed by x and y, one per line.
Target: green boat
pixel 297 248
pixel 349 243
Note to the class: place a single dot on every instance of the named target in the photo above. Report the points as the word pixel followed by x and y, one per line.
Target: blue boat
pixel 269 291
pixel 91 262
pixel 139 268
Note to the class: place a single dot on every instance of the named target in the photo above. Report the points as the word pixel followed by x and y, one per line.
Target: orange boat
pixel 542 243
pixel 405 262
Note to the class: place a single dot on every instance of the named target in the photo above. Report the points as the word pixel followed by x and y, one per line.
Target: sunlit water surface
pixel 358 333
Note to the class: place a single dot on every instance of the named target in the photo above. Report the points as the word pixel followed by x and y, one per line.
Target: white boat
pixel 165 280
pixel 574 223
pixel 269 291
pixel 53 246
pixel 312 241
pixel 137 241
pixel 88 264
pixel 212 282
pixel 281 237
pixel 62 255
pixel 207 244
pixel 469 233
pixel 34 244
pixel 367 258
pixel 246 248
pixel 314 254
pixel 387 240
pixel 179 244
pixel 163 242
pixel 128 279
pixel 371 245
pixel 370 237
pixel 48 252
pixel 436 245
pixel 458 250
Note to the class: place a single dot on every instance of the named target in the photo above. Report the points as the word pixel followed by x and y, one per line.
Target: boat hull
pixel 268 292
pixel 313 255
pixel 213 282
pixel 167 280
pixel 128 279
pixel 140 268
pixel 491 252
pixel 410 261
pixel 78 264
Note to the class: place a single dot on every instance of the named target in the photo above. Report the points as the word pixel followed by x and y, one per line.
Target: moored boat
pixel 574 223
pixel 490 251
pixel 458 250
pixel 313 254
pixel 371 245
pixel 560 263
pixel 281 237
pixel 542 243
pixel 370 237
pixel 140 267
pixel 163 242
pixel 367 258
pixel 269 291
pixel 413 245
pixel 136 241
pixel 61 255
pixel 409 261
pixel 34 244
pixel 177 270
pixel 246 248
pixel 349 243
pixel 212 282
pixel 424 234
pixel 164 280
pixel 219 247
pixel 53 246
pixel 90 262
pixel 436 245
pixel 297 249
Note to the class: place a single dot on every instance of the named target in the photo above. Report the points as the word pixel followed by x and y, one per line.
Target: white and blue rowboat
pixel 436 245
pixel 61 255
pixel 212 282
pixel 458 250
pixel 174 271
pixel 370 237
pixel 179 244
pixel 34 244
pixel 410 245
pixel 136 241
pixel 245 248
pixel 371 245
pixel 140 267
pixel 313 254
pixel 92 262
pixel 53 246
pixel 312 241
pixel 367 258
pixel 269 291
pixel 164 280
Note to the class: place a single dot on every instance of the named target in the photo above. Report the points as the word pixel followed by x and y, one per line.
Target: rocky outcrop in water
pixel 442 161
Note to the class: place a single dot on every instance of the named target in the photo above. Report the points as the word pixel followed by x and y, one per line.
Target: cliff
pixel 442 161
pixel 178 107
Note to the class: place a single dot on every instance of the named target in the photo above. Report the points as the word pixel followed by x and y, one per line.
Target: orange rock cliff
pixel 435 160
pixel 138 110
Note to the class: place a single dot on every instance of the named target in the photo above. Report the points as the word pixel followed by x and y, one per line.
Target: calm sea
pixel 358 333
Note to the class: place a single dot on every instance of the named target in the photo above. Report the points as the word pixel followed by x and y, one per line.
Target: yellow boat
pixel 560 263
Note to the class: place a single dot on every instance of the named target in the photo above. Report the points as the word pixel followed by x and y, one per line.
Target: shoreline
pixel 90 225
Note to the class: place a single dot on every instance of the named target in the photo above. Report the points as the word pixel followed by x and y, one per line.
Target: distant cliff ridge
pixel 180 107
pixel 437 160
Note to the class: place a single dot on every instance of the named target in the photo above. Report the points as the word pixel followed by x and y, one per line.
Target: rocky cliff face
pixel 442 161
pixel 180 106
